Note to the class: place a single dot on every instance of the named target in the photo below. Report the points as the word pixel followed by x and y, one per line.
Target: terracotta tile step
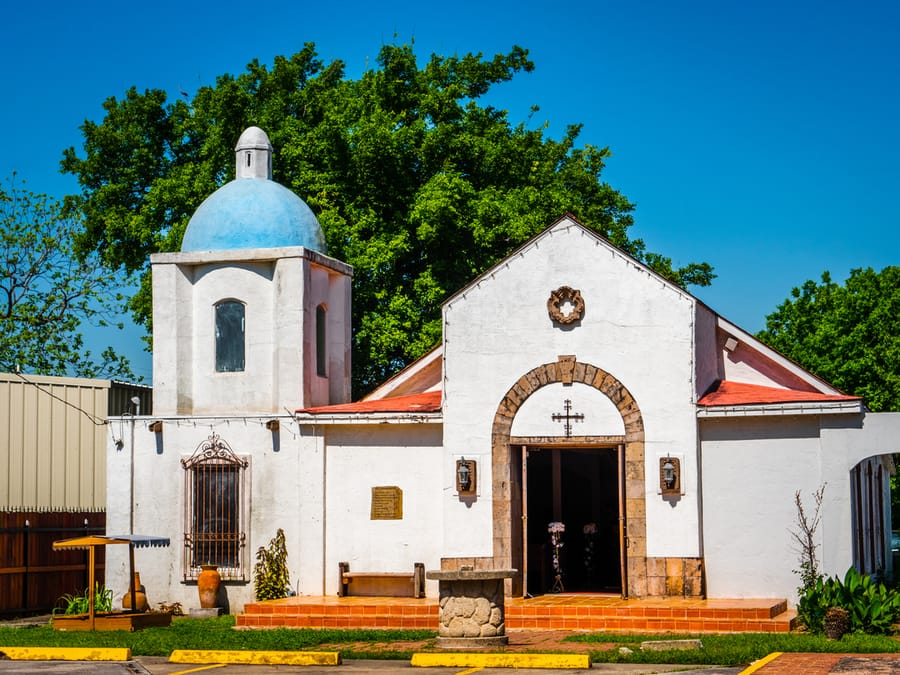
pixel 781 624
pixel 558 612
pixel 346 613
pixel 624 608
pixel 322 621
pixel 602 624
pixel 262 609
pixel 597 613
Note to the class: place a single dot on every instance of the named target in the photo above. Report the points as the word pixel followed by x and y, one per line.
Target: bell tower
pixel 251 315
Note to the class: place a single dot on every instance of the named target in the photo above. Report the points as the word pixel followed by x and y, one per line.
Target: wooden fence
pixel 33 575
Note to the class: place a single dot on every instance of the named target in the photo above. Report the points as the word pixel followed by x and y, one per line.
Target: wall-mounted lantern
pixel 669 475
pixel 466 478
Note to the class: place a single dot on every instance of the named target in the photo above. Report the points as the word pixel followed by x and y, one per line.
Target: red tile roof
pixel 740 393
pixel 429 401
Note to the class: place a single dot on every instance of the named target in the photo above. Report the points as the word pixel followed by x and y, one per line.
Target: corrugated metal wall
pixel 53 442
pixel 121 395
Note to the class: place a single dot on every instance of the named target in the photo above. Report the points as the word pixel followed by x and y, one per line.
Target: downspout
pixel 324 505
pixel 137 411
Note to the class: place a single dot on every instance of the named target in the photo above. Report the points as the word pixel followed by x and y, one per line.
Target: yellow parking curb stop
pixel 462 660
pixel 256 657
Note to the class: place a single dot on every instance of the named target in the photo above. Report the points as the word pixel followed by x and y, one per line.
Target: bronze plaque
pixel 387 503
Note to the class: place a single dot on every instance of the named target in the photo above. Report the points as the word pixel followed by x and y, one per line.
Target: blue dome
pixel 252 213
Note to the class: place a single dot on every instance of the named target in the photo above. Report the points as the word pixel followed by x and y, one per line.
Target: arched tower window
pixel 229 336
pixel 321 348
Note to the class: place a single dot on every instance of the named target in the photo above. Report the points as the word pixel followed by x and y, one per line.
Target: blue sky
pixel 762 137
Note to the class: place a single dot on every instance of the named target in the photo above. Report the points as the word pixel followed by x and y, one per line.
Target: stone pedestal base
pixel 472 611
pixel 204 612
pixel 471 643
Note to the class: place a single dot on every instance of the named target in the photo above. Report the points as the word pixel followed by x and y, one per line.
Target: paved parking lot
pixel 160 666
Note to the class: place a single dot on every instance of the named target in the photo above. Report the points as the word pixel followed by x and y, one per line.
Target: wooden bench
pixel 392 584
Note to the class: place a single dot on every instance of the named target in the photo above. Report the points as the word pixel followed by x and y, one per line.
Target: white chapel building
pixel 572 385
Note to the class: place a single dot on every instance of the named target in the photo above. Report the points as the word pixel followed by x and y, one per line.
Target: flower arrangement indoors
pixel 590 564
pixel 556 530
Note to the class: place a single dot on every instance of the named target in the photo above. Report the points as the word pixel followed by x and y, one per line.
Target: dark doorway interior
pixel 578 487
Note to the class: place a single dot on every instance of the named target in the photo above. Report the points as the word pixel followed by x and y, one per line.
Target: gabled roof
pixel 740 393
pixel 753 378
pixel 565 222
pixel 423 374
pixel 426 402
pixel 772 364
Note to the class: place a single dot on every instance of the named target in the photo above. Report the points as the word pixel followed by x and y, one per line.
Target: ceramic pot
pixel 208 583
pixel 140 595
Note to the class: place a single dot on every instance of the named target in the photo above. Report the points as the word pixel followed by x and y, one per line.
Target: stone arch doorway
pixel 580 485
pixel 507 454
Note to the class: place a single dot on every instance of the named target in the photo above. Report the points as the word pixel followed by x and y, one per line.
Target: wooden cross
pixel 568 417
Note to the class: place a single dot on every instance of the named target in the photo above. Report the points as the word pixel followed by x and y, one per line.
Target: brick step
pixel 634 624
pixel 374 613
pixel 543 613
pixel 575 607
pixel 556 612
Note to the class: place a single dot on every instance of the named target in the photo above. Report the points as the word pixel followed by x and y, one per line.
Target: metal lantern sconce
pixel 466 476
pixel 669 475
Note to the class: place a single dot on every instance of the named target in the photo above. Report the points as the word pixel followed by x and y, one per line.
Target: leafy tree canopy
pixel 416 184
pixel 46 293
pixel 848 335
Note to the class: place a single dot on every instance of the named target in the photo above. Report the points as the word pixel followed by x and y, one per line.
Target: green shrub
pixel 872 607
pixel 270 574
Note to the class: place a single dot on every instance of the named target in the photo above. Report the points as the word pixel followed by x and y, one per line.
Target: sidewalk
pixel 821 664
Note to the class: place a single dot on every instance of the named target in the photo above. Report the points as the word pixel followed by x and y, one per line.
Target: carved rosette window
pixel 216 503
pixel 565 306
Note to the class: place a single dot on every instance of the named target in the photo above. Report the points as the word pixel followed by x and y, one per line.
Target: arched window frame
pixel 230 335
pixel 216 510
pixel 322 340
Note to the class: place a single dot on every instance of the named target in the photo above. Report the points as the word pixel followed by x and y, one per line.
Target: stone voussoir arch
pixel 568 370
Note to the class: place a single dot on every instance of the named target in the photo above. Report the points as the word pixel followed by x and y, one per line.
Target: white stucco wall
pixel 319 496
pixel 159 493
pixel 637 327
pixel 844 445
pixel 752 468
pixel 280 289
pixel 535 417
pixel 172 338
pixel 250 284
pixel 360 458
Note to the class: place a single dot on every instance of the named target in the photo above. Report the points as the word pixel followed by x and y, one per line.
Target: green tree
pixel 46 292
pixel 416 184
pixel 849 335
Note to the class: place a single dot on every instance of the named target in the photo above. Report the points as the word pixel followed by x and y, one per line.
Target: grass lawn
pixel 218 633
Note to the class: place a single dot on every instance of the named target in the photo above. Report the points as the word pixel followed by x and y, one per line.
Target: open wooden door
pixel 581 488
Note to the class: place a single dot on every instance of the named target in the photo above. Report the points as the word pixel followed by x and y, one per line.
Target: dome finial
pixel 253 155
